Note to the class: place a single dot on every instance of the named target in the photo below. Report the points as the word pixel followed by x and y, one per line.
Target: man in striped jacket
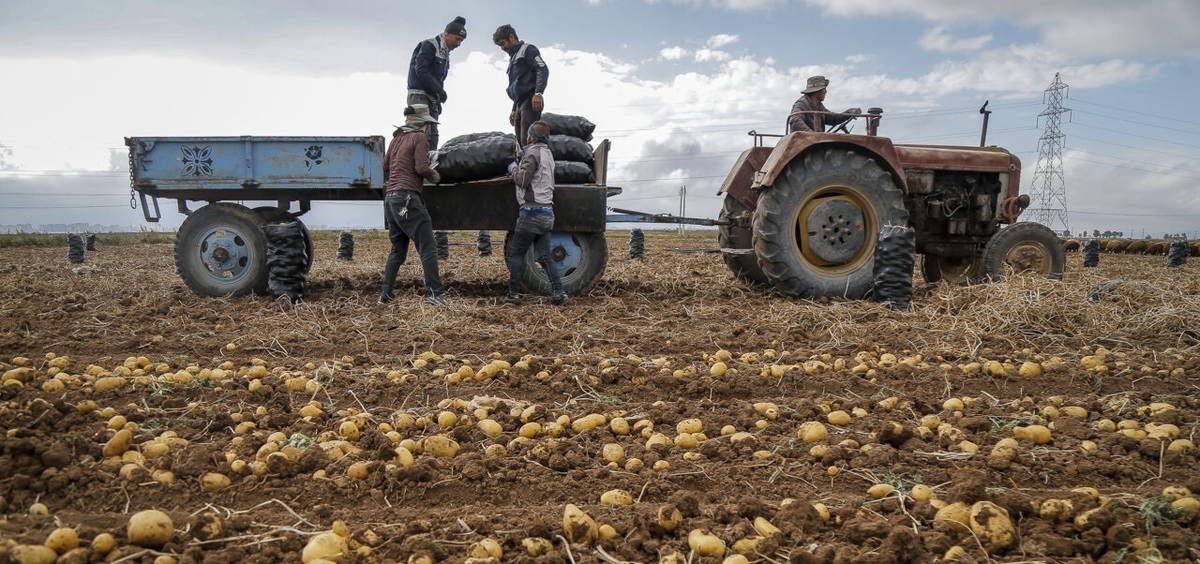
pixel 428 69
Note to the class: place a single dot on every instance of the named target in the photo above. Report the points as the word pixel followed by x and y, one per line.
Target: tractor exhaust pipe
pixel 986 114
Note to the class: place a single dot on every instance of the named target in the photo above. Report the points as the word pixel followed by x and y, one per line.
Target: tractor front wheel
pixel 1024 247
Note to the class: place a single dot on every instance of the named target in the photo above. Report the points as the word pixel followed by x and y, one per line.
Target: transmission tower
pixel 1048 197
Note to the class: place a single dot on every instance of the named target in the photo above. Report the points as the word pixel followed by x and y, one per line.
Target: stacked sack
pixel 482 156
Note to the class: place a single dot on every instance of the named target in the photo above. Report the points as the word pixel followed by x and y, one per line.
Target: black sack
pixel 571 172
pixel 575 126
pixel 476 160
pixel 567 148
pixel 469 137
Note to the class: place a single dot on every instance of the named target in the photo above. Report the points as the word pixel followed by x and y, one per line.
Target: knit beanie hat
pixel 457 27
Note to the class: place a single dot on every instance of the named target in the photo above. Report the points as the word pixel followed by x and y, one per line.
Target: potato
pixel 537 546
pixel 325 546
pixel 921 492
pixel 1186 504
pixel 1038 434
pixel 689 426
pixel 118 444
pixel 490 427
pixel 33 554
pixel 704 543
pixel 359 470
pixel 748 544
pixel 765 527
pixel 612 452
pixel 616 497
pixel 957 512
pixel 812 431
pixel 823 511
pixel 992 526
pixel 104 543
pixel 579 526
pixel 588 422
pixel 486 548
pixel 1057 510
pixel 150 528
pixel 214 481
pixel 669 517
pixel 839 418
pixel 736 559
pixel 880 491
pixel 63 539
pixel 441 446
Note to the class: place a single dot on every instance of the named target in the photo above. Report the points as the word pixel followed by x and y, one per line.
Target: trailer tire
pixel 743 265
pixel 221 250
pixel 957 271
pixel 1024 247
pixel 276 215
pixel 581 259
pixel 816 229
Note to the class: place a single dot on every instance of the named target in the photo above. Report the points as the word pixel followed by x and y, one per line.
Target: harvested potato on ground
pixel 150 528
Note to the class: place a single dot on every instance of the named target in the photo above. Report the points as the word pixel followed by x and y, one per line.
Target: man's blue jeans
pixel 533 230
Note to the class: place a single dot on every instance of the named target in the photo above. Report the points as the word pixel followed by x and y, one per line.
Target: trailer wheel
pixel 816 229
pixel 744 265
pixel 276 215
pixel 1024 247
pixel 221 250
pixel 580 257
pixel 957 271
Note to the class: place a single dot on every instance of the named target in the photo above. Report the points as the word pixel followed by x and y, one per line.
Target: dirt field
pixel 256 427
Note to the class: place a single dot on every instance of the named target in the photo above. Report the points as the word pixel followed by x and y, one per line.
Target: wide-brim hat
pixel 420 113
pixel 816 84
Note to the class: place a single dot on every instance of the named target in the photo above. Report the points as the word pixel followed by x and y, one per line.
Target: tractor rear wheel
pixel 1024 247
pixel 816 229
pixel 744 264
pixel 957 271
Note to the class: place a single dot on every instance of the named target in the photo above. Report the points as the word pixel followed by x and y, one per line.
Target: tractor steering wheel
pixel 844 127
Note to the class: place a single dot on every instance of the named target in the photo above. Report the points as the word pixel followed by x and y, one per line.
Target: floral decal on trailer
pixel 196 161
pixel 313 155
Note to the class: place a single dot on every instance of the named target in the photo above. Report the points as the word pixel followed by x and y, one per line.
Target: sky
pixel 675 85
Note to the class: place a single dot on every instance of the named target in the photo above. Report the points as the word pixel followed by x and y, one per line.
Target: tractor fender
pixel 793 145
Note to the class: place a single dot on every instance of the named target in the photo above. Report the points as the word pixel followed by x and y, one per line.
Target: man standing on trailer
pixel 527 76
pixel 534 180
pixel 428 69
pixel 806 114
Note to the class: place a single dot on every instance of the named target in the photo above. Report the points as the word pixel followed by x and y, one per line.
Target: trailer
pixel 221 246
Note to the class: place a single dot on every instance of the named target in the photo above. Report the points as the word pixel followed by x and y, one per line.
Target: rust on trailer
pixel 737 184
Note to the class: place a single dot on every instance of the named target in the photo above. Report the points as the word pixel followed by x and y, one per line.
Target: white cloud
pixel 1154 27
pixel 674 53
pixel 720 40
pixel 709 55
pixel 936 39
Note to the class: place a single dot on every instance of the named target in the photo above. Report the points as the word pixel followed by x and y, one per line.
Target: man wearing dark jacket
pixel 527 76
pixel 428 69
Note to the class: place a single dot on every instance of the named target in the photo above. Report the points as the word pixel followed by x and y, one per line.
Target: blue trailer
pixel 221 247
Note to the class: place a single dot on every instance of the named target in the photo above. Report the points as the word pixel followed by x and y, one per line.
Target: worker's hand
pixel 537 102
pixel 437 177
pixel 853 111
pixel 512 167
pixel 512 117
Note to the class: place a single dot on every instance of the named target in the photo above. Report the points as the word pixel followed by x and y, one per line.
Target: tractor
pixel 804 215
